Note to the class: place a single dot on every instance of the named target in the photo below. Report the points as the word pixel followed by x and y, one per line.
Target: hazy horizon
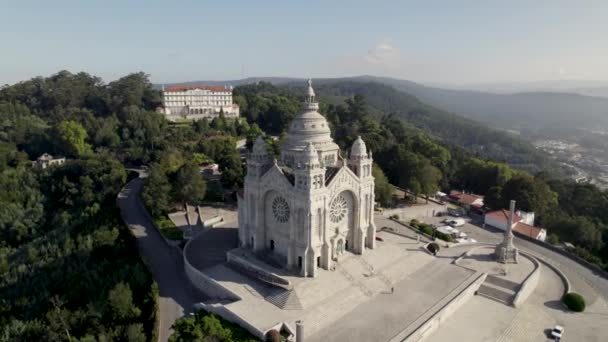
pixel 462 44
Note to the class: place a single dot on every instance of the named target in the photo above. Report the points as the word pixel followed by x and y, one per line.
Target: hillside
pixel 451 128
pixel 522 111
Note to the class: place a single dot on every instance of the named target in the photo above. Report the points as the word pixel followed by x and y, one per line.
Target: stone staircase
pixel 352 280
pixel 284 299
pixel 375 273
pixel 499 289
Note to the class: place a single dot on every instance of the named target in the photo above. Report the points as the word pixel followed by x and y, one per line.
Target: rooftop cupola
pixel 259 150
pixel 311 157
pixel 358 150
pixel 310 103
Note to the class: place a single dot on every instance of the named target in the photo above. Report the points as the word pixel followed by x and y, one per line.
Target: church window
pixel 280 209
pixel 338 209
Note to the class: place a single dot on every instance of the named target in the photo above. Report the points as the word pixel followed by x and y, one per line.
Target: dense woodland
pixel 69 267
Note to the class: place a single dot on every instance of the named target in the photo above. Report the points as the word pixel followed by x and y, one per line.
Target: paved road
pixel 164 261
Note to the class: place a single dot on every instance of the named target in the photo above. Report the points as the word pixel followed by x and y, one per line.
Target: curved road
pixel 163 260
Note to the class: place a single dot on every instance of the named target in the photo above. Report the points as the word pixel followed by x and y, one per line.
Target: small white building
pixel 46 160
pixel 197 102
pixel 523 223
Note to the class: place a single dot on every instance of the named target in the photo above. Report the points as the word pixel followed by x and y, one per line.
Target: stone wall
pixel 433 323
pixel 204 283
pixel 529 284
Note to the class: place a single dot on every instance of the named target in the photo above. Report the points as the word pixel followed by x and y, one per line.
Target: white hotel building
pixel 198 101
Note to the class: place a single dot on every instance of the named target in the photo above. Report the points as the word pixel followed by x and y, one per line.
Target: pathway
pixel 164 261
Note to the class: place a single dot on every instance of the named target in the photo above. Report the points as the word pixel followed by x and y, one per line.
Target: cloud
pixel 383 54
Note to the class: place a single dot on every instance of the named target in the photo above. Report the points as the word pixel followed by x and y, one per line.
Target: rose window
pixel 280 209
pixel 338 209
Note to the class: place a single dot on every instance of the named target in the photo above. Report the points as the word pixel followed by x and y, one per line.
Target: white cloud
pixel 383 54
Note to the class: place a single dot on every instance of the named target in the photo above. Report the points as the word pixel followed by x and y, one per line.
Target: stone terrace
pixel 359 290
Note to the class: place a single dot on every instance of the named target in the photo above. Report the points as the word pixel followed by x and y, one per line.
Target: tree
pixel 383 190
pixel 71 138
pixel 120 302
pixel 493 198
pixel 135 333
pixel 189 184
pixel 428 177
pixel 156 192
pixel 531 194
pixel 133 90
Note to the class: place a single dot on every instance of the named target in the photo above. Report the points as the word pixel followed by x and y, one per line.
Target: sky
pixel 454 42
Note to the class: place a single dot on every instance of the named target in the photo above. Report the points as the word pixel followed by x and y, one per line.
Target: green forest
pixel 70 268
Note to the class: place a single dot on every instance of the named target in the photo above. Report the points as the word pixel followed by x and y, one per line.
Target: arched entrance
pixel 340 247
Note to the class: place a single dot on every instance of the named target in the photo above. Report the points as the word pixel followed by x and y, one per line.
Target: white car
pixel 557 332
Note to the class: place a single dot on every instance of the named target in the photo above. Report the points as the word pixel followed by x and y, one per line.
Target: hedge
pixel 442 236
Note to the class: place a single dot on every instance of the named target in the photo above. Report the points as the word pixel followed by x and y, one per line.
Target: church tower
pixel 311 207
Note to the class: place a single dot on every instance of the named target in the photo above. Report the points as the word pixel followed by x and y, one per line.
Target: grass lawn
pixel 168 229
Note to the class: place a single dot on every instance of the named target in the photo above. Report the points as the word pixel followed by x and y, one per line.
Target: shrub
pixel 444 237
pixel 425 228
pixel 168 228
pixel 273 336
pixel 553 239
pixel 414 223
pixel 574 302
pixel 394 217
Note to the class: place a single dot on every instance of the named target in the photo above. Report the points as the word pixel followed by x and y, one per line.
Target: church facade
pixel 307 209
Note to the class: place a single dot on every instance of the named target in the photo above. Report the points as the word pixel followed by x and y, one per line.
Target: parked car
pixel 378 238
pixel 557 332
pixel 454 221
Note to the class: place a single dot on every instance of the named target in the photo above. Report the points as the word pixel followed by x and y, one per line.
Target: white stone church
pixel 306 209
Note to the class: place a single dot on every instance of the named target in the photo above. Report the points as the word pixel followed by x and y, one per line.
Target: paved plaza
pixel 389 291
pixel 337 304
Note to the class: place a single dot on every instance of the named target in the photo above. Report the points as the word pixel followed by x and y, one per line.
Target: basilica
pixel 307 209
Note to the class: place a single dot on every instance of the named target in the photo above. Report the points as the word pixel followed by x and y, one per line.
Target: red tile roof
pixel 503 216
pixel 197 86
pixel 467 199
pixel 527 230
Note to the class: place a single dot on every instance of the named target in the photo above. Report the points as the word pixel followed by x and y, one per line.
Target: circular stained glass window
pixel 280 209
pixel 338 209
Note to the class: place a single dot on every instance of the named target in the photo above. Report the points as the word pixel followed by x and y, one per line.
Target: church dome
pixel 309 126
pixel 358 149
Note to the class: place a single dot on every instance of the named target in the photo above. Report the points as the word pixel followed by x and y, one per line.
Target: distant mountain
pixel 582 87
pixel 528 112
pixel 523 111
pixel 234 83
pixel 453 129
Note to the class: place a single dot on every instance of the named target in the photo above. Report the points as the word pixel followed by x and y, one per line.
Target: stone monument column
pixel 506 252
